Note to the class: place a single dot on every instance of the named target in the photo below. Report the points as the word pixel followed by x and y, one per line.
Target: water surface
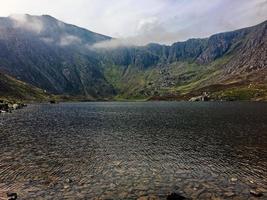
pixel 120 150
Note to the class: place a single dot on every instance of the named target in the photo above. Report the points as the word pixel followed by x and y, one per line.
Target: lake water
pixel 115 150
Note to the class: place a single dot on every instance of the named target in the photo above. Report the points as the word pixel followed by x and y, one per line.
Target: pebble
pixel 229 194
pixel 233 179
pixel 255 193
pixel 66 186
pixel 68 180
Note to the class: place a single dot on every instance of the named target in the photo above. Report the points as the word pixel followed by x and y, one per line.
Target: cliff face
pixel 241 43
pixel 251 54
pixel 232 60
pixel 59 58
pixel 50 54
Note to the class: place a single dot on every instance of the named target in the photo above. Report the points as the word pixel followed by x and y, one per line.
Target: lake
pixel 124 150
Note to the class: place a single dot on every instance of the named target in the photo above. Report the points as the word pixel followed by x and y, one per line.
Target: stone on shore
pixel 233 179
pixel 8 195
pixel 15 106
pixel 4 107
pixel 175 196
pixel 8 107
pixel 256 193
pixel 229 194
pixel 12 196
pixel 203 97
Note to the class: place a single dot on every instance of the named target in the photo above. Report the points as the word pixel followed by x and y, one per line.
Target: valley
pixel 62 60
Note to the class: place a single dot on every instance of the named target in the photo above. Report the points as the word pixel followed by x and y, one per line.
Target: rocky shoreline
pixel 8 107
pixel 254 194
pixel 234 189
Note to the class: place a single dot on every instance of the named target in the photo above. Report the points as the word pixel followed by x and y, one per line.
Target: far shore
pixel 9 104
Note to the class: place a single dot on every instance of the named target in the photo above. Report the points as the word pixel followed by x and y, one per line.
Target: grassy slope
pixel 176 81
pixel 256 92
pixel 183 80
pixel 15 90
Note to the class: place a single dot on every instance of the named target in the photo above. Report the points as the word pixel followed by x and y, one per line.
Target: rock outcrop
pixel 9 107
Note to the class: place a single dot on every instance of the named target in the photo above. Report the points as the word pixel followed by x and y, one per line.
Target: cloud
pixel 180 20
pixel 47 40
pixel 27 22
pixel 139 21
pixel 140 40
pixel 112 44
pixel 66 40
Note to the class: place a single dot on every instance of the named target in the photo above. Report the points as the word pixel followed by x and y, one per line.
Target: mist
pixel 26 22
pixel 137 22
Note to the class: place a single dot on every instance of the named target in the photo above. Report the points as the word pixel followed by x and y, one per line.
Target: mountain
pixel 231 65
pixel 49 54
pixel 60 58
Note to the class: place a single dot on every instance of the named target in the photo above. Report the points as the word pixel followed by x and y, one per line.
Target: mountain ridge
pixel 58 57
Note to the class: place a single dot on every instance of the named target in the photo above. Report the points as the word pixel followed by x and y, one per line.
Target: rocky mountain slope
pixel 49 54
pixel 59 58
pixel 220 64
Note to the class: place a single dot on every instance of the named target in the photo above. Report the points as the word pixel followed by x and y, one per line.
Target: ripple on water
pixel 127 150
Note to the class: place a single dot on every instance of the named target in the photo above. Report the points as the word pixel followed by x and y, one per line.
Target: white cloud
pixel 26 22
pixel 47 40
pixel 115 43
pixel 143 21
pixel 66 40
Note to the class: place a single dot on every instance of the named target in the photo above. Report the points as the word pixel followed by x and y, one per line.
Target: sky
pixel 144 21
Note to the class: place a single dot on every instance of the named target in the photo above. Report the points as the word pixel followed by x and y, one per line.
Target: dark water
pixel 127 150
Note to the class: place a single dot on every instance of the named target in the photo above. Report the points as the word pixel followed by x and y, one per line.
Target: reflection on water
pixel 126 150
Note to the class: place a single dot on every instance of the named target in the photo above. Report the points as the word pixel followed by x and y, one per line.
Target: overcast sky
pixel 143 21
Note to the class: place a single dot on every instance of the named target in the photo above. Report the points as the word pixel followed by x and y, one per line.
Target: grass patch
pixel 242 94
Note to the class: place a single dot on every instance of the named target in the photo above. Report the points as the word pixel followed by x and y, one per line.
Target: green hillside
pixel 61 59
pixel 15 90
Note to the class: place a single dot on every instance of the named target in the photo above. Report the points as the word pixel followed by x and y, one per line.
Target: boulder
pixel 7 107
pixel 4 107
pixel 15 106
pixel 12 196
pixel 203 97
pixel 198 98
